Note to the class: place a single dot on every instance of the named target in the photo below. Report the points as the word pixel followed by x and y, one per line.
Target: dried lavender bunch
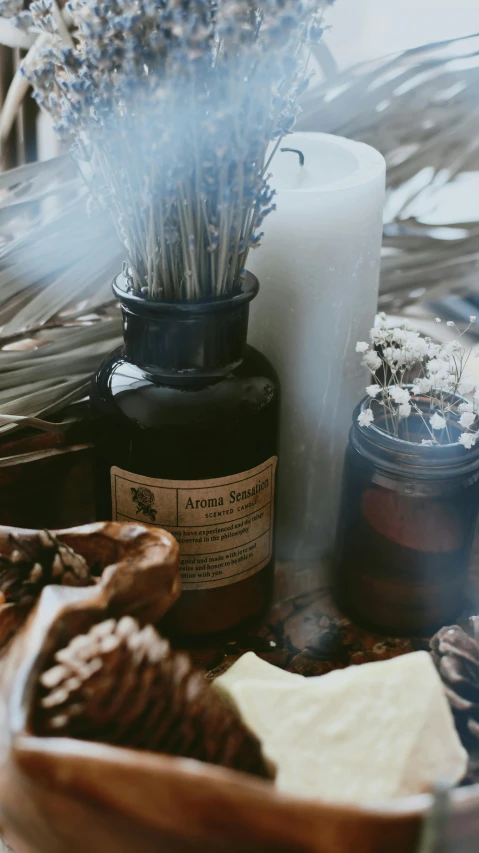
pixel 174 109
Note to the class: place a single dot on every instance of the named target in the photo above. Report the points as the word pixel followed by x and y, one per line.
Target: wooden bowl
pixel 60 795
pixel 135 568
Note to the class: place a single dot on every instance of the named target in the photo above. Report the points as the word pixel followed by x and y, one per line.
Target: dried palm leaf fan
pixel 57 317
pixel 56 265
pixel 421 110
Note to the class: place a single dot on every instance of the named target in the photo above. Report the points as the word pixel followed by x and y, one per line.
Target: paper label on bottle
pixel 224 526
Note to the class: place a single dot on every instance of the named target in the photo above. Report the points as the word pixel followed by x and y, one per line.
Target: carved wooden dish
pixel 135 569
pixel 60 795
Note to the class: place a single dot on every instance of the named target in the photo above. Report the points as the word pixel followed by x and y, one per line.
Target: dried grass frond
pixel 420 108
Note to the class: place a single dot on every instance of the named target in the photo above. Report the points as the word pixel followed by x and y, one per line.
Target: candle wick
pixel 296 151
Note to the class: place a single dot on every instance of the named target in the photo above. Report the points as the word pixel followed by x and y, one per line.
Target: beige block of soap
pixel 250 666
pixel 372 732
pixel 252 669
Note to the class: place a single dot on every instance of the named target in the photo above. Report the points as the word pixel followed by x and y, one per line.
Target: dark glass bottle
pixel 186 438
pixel 406 527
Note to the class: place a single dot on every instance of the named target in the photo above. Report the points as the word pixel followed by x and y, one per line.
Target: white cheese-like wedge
pixel 250 666
pixel 370 732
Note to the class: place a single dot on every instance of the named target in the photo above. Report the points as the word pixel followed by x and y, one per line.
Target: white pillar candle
pixel 318 268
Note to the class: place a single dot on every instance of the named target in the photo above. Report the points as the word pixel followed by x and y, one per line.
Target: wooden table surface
pixel 305 632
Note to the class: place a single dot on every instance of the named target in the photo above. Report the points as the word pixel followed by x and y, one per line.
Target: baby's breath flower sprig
pixel 414 375
pixel 173 109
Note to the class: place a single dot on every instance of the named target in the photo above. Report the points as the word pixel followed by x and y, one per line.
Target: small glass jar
pixel 186 433
pixel 406 527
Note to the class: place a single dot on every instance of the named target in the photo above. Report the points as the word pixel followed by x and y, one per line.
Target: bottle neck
pixel 194 338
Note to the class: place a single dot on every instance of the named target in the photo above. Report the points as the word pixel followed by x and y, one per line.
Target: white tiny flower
pixel 444 383
pixel 373 390
pixel 399 336
pixel 438 320
pixel 365 418
pixel 362 346
pixel 437 421
pixel 390 354
pixel 466 385
pixel 467 419
pixel 468 439
pixel 399 395
pixel 438 365
pixel 416 347
pixel 450 323
pixel 451 347
pixel 404 410
pixel 472 318
pixel 372 361
pixel 379 335
pixel 422 385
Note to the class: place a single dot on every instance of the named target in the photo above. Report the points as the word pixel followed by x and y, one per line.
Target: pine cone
pixel 456 655
pixel 125 686
pixel 34 563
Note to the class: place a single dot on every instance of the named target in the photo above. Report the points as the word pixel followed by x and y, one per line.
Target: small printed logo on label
pixel 224 526
pixel 145 502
